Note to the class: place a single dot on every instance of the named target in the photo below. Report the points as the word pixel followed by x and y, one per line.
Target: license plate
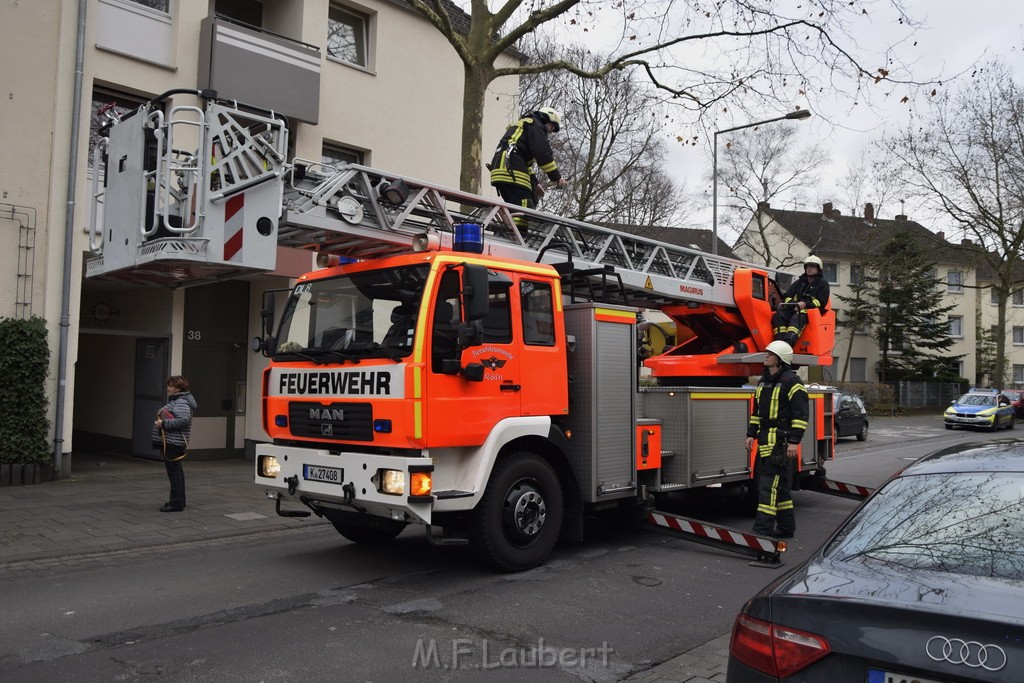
pixel 330 475
pixel 879 676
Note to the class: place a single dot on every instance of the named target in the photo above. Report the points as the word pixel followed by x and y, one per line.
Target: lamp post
pixel 793 116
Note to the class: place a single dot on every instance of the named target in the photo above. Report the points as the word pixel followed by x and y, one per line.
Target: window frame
pixel 537 318
pixel 341 151
pixel 830 268
pixel 362 25
pixel 1018 335
pixel 1017 298
pixel 856 274
pixel 956 326
pixel 954 282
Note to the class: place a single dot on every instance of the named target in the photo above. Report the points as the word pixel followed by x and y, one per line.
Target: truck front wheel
pixel 517 522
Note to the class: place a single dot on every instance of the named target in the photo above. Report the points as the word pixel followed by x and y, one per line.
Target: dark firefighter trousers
pixel 775 497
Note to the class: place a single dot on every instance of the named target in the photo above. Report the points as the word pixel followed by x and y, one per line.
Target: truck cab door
pixel 458 411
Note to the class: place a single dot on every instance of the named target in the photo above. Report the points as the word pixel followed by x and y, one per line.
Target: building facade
pixel 844 243
pixel 369 81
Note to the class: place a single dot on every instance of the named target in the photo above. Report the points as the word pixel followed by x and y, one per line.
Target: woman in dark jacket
pixel 171 430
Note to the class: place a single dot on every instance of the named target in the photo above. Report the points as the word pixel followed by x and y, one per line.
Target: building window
pixel 159 5
pixel 856 274
pixel 993 296
pixel 106 103
pixel 346 35
pixel 994 332
pixel 1018 374
pixel 1018 297
pixel 956 326
pixel 858 369
pixel 830 271
pixel 958 368
pixel 1018 335
pixel 334 155
pixel 955 282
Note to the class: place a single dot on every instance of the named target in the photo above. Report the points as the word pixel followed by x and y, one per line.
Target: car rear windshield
pixel 970 523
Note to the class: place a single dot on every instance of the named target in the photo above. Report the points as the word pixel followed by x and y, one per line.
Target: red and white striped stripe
pixel 722 534
pixel 234 214
pixel 828 485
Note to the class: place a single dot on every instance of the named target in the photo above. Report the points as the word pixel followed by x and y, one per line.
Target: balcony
pixel 260 68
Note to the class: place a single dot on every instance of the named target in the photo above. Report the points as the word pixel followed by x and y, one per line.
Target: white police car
pixel 988 410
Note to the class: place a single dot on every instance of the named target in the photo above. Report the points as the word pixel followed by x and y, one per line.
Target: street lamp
pixel 793 115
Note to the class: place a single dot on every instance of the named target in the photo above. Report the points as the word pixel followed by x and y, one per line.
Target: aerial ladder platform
pixel 168 217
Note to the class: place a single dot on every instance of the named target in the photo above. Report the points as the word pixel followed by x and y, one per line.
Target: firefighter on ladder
pixel 777 423
pixel 524 144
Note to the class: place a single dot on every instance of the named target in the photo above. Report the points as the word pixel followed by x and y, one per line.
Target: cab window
pixel 538 313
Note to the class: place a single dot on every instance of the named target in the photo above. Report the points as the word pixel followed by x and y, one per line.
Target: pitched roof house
pixel 782 238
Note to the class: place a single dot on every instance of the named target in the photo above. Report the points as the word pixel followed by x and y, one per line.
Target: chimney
pixel 941 235
pixel 763 206
pixel 901 218
pixel 966 242
pixel 826 210
pixel 836 213
pixel 869 213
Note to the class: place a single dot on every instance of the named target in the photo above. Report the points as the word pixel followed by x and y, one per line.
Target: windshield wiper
pixel 376 350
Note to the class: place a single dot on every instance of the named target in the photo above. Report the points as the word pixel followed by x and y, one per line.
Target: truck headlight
pixel 268 466
pixel 392 482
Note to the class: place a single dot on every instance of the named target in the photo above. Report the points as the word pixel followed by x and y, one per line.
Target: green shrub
pixel 24 365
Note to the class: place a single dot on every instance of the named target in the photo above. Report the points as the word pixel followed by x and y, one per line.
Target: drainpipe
pixel 69 235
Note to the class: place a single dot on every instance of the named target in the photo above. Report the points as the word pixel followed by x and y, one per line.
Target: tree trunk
pixel 473 94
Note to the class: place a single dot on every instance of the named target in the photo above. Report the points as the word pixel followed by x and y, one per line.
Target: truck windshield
pixel 363 315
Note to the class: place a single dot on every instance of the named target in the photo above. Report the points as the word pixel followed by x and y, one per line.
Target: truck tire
pixel 365 535
pixel 516 524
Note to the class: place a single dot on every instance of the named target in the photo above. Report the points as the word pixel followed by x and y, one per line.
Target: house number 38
pixel 195 335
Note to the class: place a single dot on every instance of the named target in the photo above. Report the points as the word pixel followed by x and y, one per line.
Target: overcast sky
pixel 956 34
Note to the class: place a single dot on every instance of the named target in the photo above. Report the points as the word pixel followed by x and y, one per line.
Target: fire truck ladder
pixel 360 212
pixel 766 552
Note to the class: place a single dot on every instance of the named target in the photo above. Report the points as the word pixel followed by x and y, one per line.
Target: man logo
pixel 334 414
pixel 494 363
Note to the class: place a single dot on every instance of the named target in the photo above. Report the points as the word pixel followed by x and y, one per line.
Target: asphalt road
pixel 307 605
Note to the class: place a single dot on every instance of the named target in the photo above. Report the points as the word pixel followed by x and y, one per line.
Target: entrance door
pixel 150 376
pixel 214 361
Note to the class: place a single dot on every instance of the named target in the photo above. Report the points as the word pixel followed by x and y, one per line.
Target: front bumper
pixel 356 489
pixel 970 420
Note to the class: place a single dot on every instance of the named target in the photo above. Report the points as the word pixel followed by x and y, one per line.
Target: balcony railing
pixel 260 68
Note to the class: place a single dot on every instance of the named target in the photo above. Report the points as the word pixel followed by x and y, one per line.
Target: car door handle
pixel 510 387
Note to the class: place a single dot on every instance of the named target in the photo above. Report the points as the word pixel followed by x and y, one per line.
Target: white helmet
pixel 781 349
pixel 553 117
pixel 813 260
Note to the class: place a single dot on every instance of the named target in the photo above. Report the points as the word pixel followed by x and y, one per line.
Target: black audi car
pixel 924 582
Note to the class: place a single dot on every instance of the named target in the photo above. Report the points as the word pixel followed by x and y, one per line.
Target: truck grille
pixel 337 421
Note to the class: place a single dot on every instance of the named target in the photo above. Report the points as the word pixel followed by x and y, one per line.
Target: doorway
pixel 150 379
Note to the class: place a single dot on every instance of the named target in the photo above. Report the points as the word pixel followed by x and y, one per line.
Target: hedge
pixel 24 365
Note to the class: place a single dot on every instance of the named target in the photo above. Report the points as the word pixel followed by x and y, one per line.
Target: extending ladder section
pixel 220 210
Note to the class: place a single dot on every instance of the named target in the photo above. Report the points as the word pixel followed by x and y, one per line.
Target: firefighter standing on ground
pixel 810 290
pixel 524 145
pixel 777 422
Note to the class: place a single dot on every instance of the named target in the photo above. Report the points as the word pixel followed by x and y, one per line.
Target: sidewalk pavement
pixel 109 508
pixel 110 504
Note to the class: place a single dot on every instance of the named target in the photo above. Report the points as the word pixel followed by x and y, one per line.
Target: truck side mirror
pixel 474 291
pixel 267 314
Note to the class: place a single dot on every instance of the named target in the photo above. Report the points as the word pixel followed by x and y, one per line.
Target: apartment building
pixel 368 81
pixel 844 242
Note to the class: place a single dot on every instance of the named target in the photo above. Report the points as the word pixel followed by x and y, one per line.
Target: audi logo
pixel 970 653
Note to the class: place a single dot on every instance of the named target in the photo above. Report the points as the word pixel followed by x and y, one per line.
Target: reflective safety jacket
pixel 780 412
pixel 524 144
pixel 814 294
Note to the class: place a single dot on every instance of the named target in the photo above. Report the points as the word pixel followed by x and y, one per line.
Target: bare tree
pixel 703 54
pixel 765 164
pixel 965 159
pixel 870 178
pixel 610 148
